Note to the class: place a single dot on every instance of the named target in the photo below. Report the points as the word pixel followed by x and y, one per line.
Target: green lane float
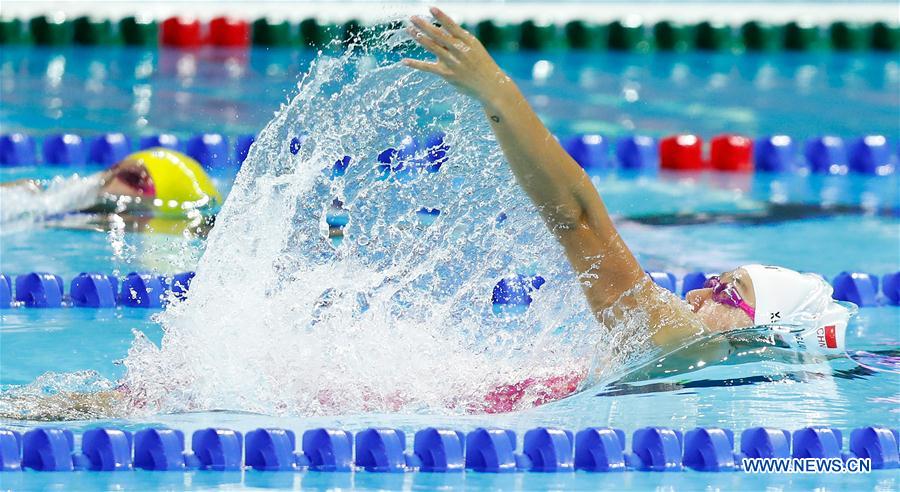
pixel 762 36
pixel 50 31
pixel 628 34
pixel 91 32
pixel 581 35
pixel 800 36
pixel 713 36
pixel 271 33
pixel 135 31
pixel 672 36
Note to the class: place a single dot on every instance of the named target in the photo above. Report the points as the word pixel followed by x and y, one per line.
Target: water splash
pixel 397 316
pixel 25 203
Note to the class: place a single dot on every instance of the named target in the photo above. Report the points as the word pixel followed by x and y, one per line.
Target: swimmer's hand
pixel 461 59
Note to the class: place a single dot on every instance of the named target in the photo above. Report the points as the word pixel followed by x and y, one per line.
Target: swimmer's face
pixel 719 317
pixel 129 178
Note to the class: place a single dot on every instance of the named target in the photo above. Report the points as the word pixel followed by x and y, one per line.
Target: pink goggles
pixel 726 294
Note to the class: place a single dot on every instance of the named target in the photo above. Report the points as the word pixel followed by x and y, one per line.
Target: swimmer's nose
pixel 697 297
pixel 139 181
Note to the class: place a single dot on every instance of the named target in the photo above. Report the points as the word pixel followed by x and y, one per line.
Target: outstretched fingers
pixel 439 36
pixel 431 67
pixel 449 24
pixel 429 44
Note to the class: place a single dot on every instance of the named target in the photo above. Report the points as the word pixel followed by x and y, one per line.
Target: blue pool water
pixel 86 91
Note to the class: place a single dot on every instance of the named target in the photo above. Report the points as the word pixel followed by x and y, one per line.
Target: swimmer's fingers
pixel 433 47
pixel 450 25
pixel 439 36
pixel 430 67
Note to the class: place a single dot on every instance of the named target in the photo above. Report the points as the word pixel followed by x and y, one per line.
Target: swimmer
pixel 611 278
pixel 158 185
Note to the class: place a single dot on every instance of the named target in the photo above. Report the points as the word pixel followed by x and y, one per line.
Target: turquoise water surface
pixel 677 223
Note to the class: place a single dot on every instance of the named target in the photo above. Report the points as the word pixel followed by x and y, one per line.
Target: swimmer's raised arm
pixel 563 193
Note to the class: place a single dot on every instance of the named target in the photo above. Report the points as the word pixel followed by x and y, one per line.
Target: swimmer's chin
pixel 718 319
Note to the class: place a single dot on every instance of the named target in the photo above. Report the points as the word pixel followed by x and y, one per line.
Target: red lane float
pixel 681 153
pixel 731 153
pixel 181 32
pixel 229 32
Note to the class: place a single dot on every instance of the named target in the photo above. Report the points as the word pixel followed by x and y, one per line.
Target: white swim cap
pixel 801 306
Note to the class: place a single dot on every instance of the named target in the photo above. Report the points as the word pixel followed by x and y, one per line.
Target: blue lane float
pixel 64 149
pixel 48 449
pixel 164 140
pixel 107 449
pixel 10 450
pixel 94 290
pixel 109 149
pixel 6 291
pixel 545 450
pixel 637 152
pixel 242 147
pixel 510 295
pixel 513 294
pixel 827 155
pixel 296 143
pixel 273 450
pixel 328 450
pixel 694 280
pixel 765 442
pixel 162 450
pixel 549 450
pixel 871 155
pixel 218 449
pixel 817 442
pixel 856 287
pixel 878 444
pixel 381 450
pixel 709 449
pixel 17 149
pixel 144 290
pixel 591 152
pixel 209 149
pixel 491 451
pixel 890 286
pixel 440 450
pixel 600 449
pixel 40 290
pixel 777 154
pixel 181 284
pixel 656 449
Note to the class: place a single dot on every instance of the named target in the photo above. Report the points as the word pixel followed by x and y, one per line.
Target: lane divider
pixel 436 450
pixel 831 155
pixel 510 295
pixel 92 290
pixel 530 35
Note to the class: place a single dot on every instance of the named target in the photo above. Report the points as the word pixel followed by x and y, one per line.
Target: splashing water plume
pixel 397 316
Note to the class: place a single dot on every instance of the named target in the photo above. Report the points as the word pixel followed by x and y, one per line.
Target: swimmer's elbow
pixel 564 219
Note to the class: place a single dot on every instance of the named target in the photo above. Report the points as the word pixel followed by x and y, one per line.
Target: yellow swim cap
pixel 181 184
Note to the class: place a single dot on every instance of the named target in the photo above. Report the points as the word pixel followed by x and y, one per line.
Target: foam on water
pixel 398 315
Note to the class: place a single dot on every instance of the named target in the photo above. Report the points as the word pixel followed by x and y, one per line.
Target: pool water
pixel 95 90
pixel 677 223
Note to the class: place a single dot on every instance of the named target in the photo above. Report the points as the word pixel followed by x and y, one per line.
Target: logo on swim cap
pixel 827 337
